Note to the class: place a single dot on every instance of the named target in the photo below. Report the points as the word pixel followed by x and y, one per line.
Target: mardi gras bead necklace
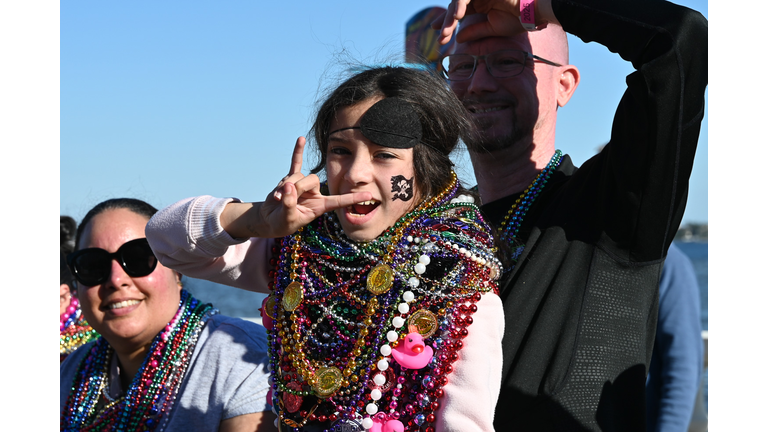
pixel 153 391
pixel 74 331
pixel 365 334
pixel 510 225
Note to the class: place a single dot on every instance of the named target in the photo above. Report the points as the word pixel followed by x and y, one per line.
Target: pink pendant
pixel 387 426
pixel 412 353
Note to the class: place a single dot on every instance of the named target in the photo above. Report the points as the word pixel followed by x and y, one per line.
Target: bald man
pixel 583 246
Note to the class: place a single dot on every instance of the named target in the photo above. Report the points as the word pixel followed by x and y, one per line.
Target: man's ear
pixel 569 80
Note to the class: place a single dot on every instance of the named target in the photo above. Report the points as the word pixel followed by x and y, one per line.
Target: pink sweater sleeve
pixel 187 237
pixel 473 388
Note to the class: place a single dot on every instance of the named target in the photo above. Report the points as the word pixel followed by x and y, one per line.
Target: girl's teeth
pixel 122 304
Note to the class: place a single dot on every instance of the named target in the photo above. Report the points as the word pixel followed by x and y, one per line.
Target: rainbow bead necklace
pixel 510 225
pixel 149 399
pixel 74 331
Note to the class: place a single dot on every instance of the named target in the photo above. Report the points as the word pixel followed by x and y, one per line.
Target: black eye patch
pixel 390 122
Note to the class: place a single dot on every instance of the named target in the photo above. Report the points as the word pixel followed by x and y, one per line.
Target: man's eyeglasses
pixel 92 266
pixel 500 64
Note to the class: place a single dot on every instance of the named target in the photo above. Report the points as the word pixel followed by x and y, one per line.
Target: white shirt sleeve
pixel 473 388
pixel 187 237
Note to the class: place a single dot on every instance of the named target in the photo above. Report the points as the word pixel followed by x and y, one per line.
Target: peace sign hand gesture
pixel 295 202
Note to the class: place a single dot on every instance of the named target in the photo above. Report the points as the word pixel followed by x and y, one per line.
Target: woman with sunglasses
pixel 374 276
pixel 165 361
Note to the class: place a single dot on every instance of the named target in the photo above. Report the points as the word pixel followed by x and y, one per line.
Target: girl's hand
pixel 296 201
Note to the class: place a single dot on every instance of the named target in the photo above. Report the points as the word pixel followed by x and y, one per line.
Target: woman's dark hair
pixel 135 205
pixel 443 118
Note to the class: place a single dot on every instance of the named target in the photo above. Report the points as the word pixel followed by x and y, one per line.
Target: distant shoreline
pixel 693 233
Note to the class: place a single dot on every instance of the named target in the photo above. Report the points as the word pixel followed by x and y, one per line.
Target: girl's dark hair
pixel 135 205
pixel 443 118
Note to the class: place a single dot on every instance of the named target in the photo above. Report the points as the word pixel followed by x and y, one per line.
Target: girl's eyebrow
pixel 342 129
pixel 344 137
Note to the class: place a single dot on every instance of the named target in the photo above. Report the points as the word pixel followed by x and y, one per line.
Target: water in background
pixel 229 301
pixel 245 304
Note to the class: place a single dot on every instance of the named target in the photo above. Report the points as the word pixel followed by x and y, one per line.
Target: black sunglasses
pixel 92 266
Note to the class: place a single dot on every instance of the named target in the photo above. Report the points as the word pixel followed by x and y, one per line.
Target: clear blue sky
pixel 165 100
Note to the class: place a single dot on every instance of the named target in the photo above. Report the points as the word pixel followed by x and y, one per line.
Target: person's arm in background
pixel 678 355
pixel 256 422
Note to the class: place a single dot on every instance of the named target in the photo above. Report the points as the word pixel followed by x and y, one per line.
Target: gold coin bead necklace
pixel 364 333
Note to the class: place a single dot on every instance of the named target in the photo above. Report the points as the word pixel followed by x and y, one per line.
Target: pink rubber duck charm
pixel 412 353
pixel 388 426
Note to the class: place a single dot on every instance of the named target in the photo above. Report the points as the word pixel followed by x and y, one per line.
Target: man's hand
pixel 500 18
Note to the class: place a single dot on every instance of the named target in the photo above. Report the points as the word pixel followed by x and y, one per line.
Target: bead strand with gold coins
pixel 364 335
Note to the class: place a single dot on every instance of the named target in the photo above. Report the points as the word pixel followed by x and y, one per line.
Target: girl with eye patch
pixel 383 311
pixel 159 363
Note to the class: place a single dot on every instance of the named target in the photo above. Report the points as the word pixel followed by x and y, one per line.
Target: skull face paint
pixel 402 188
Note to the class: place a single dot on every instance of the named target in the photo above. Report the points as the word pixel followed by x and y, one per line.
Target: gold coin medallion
pixel 293 296
pixel 328 381
pixel 380 279
pixel 269 306
pixel 425 322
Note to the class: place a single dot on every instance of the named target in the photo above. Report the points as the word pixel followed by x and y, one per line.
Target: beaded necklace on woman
pixel 147 403
pixel 73 330
pixel 363 335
